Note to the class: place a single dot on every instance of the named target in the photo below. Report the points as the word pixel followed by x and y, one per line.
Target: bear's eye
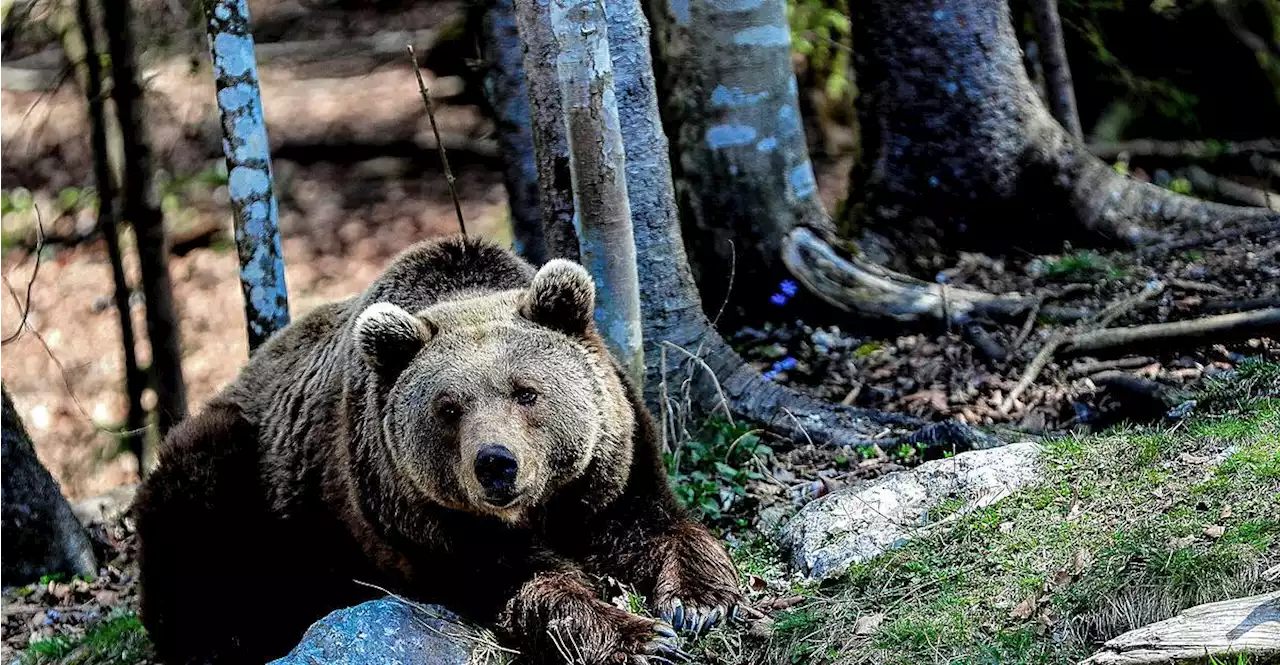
pixel 526 396
pixel 448 409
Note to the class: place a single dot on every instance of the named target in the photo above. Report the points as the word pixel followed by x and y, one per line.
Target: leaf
pixel 866 625
pixel 1026 609
pixel 1080 561
pixel 1215 531
pixel 1180 543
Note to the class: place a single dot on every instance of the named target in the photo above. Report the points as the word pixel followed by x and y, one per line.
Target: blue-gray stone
pixel 389 632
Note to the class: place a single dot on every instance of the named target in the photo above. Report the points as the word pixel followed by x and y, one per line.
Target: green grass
pixel 118 639
pixel 1125 529
pixel 1081 266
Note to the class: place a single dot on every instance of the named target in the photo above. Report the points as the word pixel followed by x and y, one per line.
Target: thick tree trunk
pixel 689 365
pixel 140 210
pixel 135 379
pixel 40 534
pixel 743 176
pixel 964 154
pixel 597 166
pixel 250 182
pixel 1062 94
pixel 507 91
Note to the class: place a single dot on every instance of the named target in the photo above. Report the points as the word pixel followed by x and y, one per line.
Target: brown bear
pixel 457 434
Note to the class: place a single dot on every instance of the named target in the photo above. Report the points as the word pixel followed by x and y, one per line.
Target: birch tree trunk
pixel 551 148
pixel 597 166
pixel 507 90
pixel 140 210
pixel 40 534
pixel 250 183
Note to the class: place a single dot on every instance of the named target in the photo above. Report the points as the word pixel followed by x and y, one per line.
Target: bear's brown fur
pixel 351 448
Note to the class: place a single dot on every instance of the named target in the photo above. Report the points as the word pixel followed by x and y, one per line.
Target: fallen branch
pixel 1105 317
pixel 1093 367
pixel 857 285
pixel 1184 149
pixel 1240 626
pixel 1218 328
pixel 1231 190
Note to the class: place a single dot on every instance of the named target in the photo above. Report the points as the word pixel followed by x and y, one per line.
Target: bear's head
pixel 496 401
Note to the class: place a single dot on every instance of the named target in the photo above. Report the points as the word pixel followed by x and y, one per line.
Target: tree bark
pixel 250 183
pixel 689 365
pixel 140 210
pixel 597 165
pixel 41 535
pixel 965 155
pixel 1062 94
pixel 507 91
pixel 743 175
pixel 135 379
pixel 551 148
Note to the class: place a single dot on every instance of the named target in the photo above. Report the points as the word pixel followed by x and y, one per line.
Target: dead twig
pixel 24 305
pixel 444 157
pixel 1108 315
pixel 1089 368
pixel 1215 328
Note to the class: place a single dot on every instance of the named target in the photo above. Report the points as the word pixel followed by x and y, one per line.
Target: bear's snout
pixel 496 470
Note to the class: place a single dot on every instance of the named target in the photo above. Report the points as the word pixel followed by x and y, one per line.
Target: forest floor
pixel 359 182
pixel 1124 528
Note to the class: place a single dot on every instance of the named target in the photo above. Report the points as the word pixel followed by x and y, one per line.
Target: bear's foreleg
pixel 646 539
pixel 557 617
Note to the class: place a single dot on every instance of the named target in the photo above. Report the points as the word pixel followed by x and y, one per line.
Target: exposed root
pixel 856 285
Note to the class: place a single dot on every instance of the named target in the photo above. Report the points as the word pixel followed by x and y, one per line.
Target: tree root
pixel 857 285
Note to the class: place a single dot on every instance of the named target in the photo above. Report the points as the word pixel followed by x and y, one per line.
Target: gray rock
pixel 834 532
pixel 392 632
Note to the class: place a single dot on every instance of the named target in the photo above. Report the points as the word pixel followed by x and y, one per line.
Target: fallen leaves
pixel 868 624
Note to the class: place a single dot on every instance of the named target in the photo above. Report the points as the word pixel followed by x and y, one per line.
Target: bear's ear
pixel 389 337
pixel 562 297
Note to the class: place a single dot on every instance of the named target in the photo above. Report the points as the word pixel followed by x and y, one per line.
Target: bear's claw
pixel 697 619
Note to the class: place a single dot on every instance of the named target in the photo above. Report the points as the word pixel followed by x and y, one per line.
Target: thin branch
pixel 25 305
pixel 1208 329
pixel 444 157
pixel 1184 149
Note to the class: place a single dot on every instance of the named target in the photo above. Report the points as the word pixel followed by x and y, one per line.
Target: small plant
pixel 1081 266
pixel 710 472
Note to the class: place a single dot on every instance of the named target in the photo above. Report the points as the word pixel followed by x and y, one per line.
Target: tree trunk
pixel 597 165
pixel 250 183
pixel 148 222
pixel 963 153
pixel 551 148
pixel 40 534
pixel 134 379
pixel 743 175
pixel 507 91
pixel 689 365
pixel 1062 94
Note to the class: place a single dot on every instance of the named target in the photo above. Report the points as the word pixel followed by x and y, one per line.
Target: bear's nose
pixel 496 468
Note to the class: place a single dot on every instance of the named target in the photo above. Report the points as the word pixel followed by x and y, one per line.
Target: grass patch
pixel 118 639
pixel 1125 529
